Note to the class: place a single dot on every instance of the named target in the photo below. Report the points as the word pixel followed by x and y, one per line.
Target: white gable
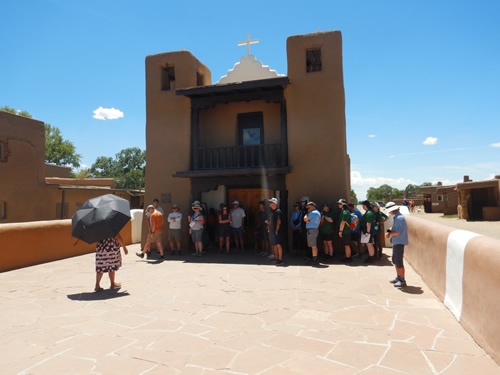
pixel 248 69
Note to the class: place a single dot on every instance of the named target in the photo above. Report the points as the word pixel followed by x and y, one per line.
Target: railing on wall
pixel 268 155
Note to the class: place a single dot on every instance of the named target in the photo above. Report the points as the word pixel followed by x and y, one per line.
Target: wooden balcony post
pixel 284 135
pixel 195 137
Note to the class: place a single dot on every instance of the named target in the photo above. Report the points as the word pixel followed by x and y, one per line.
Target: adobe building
pixel 31 190
pixel 252 135
pixel 479 200
pixel 440 198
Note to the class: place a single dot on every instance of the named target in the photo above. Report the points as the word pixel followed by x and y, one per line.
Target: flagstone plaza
pixel 235 314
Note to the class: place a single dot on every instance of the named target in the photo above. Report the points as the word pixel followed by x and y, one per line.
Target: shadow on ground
pixel 98 296
pixel 250 258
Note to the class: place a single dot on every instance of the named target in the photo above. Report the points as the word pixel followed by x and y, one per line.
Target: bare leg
pixel 98 278
pixel 221 242
pixel 400 272
pixel 112 280
pixel 179 246
pixel 159 247
pixel 228 244
pixel 279 252
pixel 348 251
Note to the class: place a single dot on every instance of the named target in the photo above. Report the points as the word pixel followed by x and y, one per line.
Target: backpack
pixel 354 221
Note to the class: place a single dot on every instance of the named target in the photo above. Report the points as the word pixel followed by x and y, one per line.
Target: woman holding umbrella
pixel 108 258
pixel 100 220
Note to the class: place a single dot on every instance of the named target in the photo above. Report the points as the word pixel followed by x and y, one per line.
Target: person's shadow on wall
pixel 98 296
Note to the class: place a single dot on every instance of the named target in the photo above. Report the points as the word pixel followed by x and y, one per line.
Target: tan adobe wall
pixel 57 171
pixel 25 141
pixel 219 125
pixel 317 138
pixel 168 131
pixel 28 244
pixel 461 268
pixel 103 182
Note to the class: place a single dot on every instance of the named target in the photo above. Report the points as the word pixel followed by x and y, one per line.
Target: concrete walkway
pixel 233 315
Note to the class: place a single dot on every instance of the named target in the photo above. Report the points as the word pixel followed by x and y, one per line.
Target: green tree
pixel 426 184
pixel 127 168
pixel 12 110
pixel 384 192
pixel 397 194
pixel 58 150
pixel 411 190
pixel 354 197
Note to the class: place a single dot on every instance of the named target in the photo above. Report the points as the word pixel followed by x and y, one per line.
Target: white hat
pixel 391 206
pixel 236 202
pixel 273 200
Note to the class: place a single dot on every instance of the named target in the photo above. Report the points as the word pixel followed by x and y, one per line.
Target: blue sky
pixel 422 78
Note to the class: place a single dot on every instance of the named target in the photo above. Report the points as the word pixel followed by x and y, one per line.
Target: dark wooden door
pixel 249 200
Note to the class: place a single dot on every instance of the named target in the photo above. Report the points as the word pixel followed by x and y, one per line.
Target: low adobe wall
pixel 36 242
pixel 462 269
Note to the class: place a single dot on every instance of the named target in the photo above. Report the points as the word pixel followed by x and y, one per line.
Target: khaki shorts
pixel 154 237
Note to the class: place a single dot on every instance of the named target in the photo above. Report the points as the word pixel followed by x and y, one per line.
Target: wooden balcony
pixel 240 157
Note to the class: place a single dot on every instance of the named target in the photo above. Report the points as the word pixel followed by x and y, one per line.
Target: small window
pixel 440 198
pixel 3 210
pixel 64 213
pixel 251 128
pixel 168 78
pixel 313 60
pixel 200 78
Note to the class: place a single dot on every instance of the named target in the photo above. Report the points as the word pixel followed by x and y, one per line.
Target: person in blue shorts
pixel 399 238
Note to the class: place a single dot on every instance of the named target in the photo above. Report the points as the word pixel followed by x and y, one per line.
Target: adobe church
pixel 254 134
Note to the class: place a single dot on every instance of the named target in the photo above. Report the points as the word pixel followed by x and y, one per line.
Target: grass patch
pixel 454 216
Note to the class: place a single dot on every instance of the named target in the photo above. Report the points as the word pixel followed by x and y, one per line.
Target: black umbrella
pixel 100 218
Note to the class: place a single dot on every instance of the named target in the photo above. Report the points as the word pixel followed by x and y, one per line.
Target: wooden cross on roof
pixel 248 42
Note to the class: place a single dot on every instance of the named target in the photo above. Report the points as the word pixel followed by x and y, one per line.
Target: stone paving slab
pixel 235 314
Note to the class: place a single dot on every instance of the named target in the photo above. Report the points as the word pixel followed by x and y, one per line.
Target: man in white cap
pixel 399 238
pixel 237 224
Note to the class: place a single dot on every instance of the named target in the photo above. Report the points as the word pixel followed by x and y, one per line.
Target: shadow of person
pixel 411 289
pixel 98 296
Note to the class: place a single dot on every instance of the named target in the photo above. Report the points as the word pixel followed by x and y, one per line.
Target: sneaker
pixel 313 262
pixel 194 254
pixel 369 260
pixel 280 263
pixel 395 280
pixel 271 256
pixel 400 283
pixel 140 255
pixel 199 254
pixel 347 260
pixel 162 257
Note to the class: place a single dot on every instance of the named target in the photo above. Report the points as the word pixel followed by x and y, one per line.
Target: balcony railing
pixel 255 156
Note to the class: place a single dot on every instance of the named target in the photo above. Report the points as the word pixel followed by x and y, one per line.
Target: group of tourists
pixel 311 226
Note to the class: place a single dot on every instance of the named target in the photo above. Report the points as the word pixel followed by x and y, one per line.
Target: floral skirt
pixel 108 257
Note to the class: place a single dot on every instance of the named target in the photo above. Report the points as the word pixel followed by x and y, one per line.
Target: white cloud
pixel 430 141
pixel 497 145
pixel 361 184
pixel 107 114
pixel 371 136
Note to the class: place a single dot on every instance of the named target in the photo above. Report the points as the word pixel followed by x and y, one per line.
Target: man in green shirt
pixel 344 230
pixel 367 228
